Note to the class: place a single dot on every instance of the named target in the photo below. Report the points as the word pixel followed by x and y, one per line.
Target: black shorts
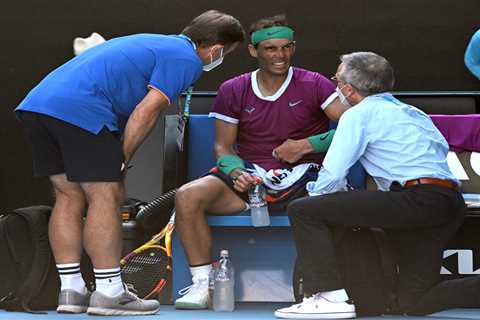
pixel 277 199
pixel 59 147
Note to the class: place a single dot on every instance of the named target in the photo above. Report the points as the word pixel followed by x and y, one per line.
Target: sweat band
pixel 275 32
pixel 322 141
pixel 227 163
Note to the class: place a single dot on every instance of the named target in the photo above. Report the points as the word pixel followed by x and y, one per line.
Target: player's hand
pixel 292 150
pixel 124 167
pixel 242 180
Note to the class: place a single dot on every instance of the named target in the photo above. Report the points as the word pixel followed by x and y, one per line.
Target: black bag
pixel 367 268
pixel 28 275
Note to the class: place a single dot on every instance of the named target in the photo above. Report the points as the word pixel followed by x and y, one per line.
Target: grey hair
pixel 368 72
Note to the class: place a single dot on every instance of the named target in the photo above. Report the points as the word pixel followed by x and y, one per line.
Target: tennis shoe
pixel 318 307
pixel 125 304
pixel 71 301
pixel 195 296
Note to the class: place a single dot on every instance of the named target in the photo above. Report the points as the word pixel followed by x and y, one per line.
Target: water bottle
pixel 223 293
pixel 211 284
pixel 258 205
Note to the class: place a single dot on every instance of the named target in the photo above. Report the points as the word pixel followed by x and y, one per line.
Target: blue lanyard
pixel 186 106
pixel 188 98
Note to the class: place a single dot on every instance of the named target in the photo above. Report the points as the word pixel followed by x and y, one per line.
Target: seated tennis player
pixel 272 122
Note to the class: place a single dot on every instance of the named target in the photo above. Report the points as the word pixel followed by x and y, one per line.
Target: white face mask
pixel 213 64
pixel 342 97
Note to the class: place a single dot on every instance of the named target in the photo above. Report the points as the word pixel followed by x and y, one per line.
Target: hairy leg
pixel 192 201
pixel 66 224
pixel 103 229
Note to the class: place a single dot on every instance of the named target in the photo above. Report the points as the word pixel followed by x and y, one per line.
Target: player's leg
pixel 193 201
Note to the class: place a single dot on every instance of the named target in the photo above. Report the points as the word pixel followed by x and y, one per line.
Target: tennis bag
pixel 367 268
pixel 27 264
pixel 29 278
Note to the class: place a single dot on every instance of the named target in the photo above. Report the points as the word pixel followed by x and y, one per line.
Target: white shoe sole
pixel 118 312
pixel 65 308
pixel 333 315
pixel 190 305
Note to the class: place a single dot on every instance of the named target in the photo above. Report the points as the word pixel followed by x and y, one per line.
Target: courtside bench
pixel 263 257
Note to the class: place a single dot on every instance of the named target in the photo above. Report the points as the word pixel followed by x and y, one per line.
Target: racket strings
pixel 145 270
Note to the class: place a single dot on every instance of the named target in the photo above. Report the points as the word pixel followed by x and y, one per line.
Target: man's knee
pixel 189 195
pixel 296 208
pixel 66 190
pixel 98 192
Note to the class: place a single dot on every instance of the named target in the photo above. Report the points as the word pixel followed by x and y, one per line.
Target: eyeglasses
pixel 336 80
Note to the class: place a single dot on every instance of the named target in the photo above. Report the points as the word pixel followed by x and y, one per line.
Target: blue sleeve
pixel 173 76
pixel 348 145
pixel 472 55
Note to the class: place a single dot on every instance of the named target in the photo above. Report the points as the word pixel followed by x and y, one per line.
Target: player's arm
pixel 142 121
pixel 334 109
pixel 227 160
pixel 293 150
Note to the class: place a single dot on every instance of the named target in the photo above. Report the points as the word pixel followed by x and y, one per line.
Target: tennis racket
pixel 153 216
pixel 148 266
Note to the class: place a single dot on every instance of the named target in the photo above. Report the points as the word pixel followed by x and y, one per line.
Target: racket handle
pixel 150 209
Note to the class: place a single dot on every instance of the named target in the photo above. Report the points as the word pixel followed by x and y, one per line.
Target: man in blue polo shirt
pixel 75 118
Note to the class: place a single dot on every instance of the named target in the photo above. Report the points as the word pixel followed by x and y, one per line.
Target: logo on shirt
pixel 249 109
pixel 293 104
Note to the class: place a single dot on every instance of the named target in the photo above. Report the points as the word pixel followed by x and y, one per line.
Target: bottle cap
pixel 224 253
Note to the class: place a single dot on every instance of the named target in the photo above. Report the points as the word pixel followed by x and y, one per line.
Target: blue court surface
pixel 242 311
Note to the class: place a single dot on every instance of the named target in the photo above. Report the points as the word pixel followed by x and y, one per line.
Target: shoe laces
pixel 311 299
pixel 131 291
pixel 197 282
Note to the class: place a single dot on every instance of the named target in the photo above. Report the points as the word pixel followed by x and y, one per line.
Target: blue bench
pixel 263 257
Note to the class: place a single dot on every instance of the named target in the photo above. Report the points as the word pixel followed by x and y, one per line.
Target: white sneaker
pixel 195 296
pixel 317 307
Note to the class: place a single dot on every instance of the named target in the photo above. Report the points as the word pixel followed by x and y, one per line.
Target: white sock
pixel 201 272
pixel 108 281
pixel 71 278
pixel 339 295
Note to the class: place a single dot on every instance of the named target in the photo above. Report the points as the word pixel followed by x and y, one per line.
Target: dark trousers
pixel 418 220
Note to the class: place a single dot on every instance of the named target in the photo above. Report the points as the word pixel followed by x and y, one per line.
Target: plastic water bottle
pixel 211 284
pixel 258 206
pixel 223 293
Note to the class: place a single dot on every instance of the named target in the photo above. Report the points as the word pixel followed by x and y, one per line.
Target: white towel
pixel 279 179
pixel 82 44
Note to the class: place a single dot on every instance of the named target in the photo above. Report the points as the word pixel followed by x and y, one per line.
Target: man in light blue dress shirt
pixel 417 203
